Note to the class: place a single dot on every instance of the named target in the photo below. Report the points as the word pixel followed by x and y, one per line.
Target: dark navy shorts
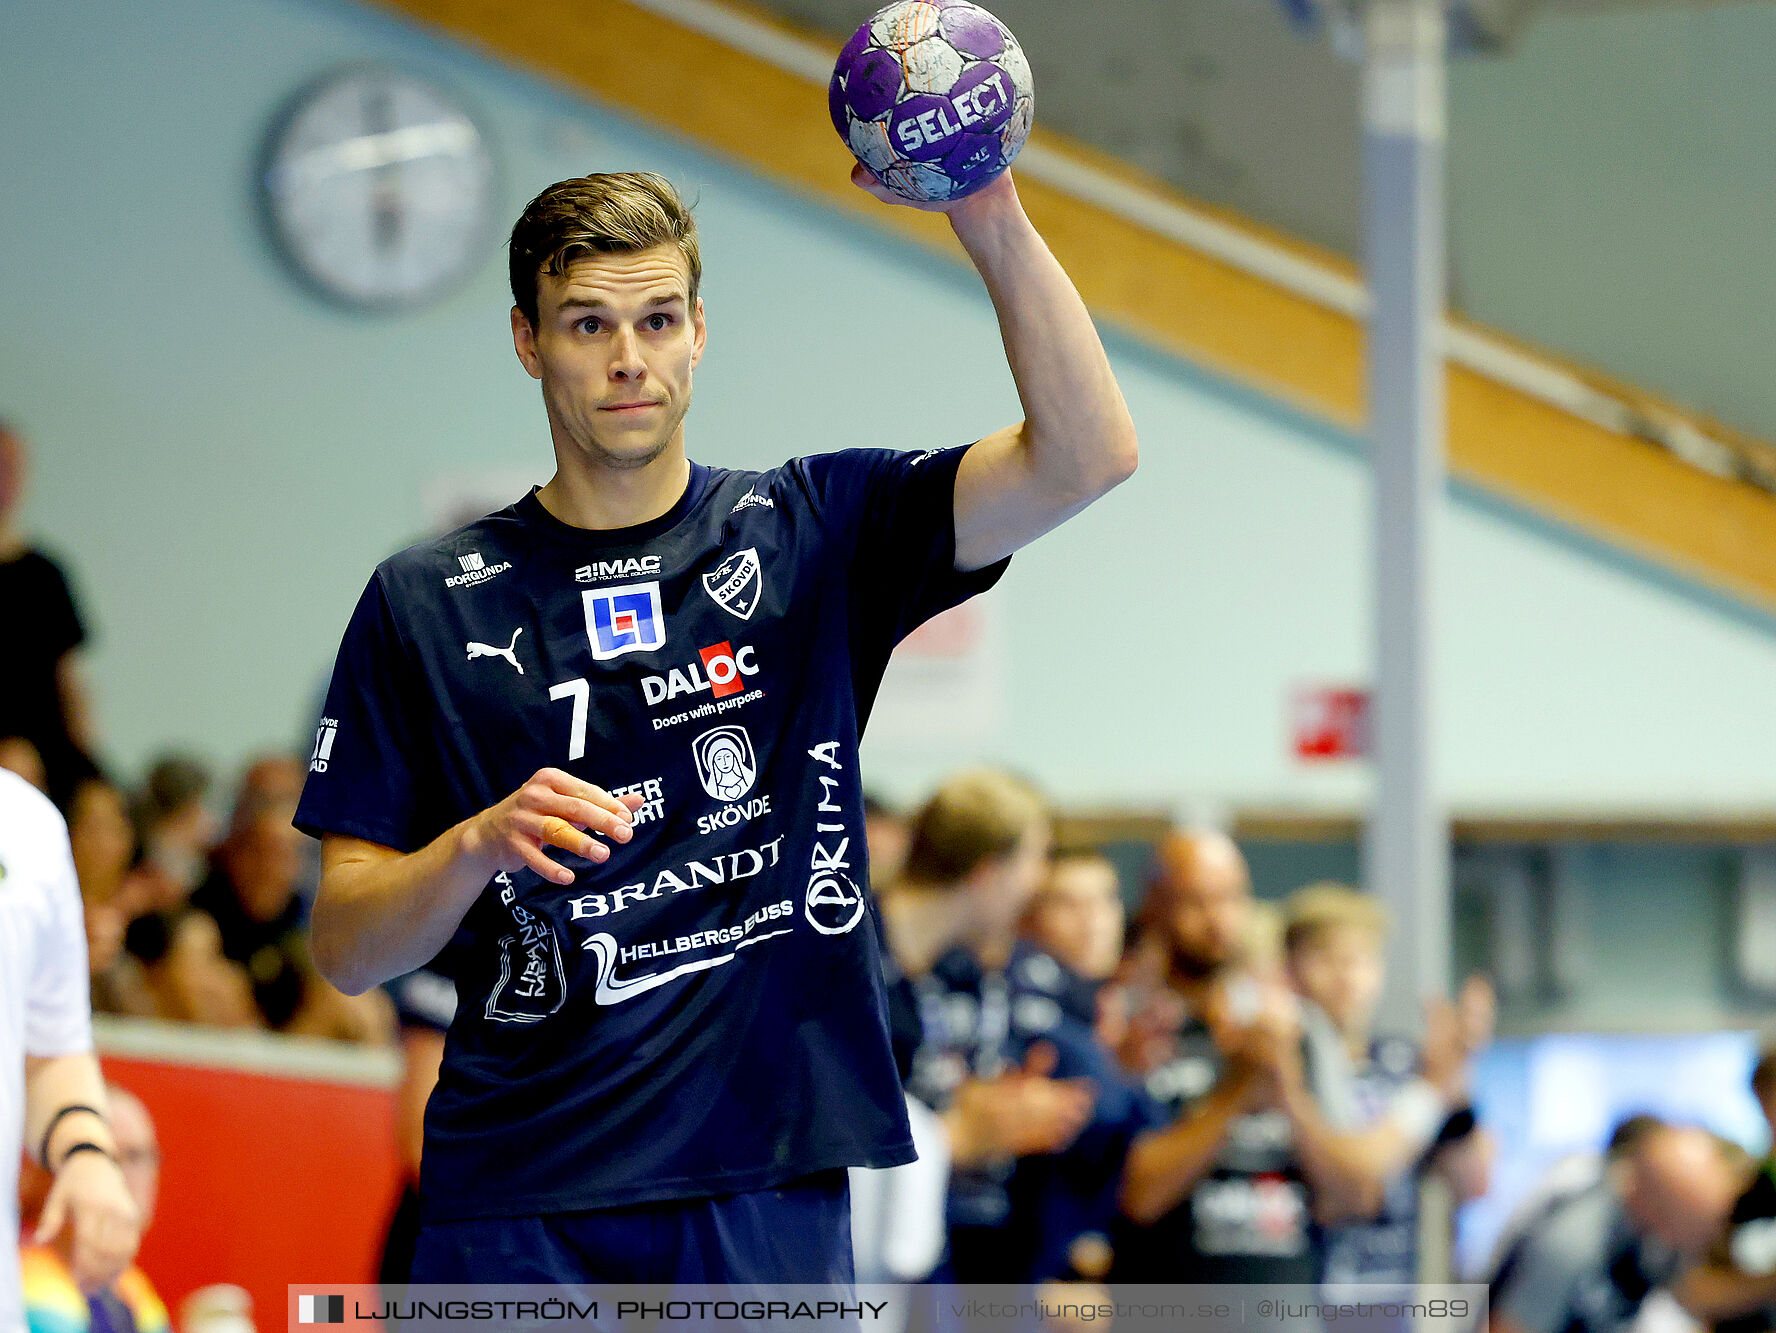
pixel 798 1232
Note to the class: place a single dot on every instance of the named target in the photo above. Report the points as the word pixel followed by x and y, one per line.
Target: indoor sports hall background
pixel 217 453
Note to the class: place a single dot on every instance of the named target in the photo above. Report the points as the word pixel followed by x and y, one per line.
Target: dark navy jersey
pixel 703 1013
pixel 1250 1217
pixel 1017 1221
pixel 1382 1250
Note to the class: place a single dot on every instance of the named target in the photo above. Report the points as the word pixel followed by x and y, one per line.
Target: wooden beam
pixel 1626 491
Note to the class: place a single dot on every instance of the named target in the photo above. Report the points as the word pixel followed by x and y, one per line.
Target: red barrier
pixel 266 1179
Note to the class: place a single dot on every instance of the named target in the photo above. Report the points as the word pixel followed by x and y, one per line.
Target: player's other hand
pixel 91 1220
pixel 553 809
pixel 997 191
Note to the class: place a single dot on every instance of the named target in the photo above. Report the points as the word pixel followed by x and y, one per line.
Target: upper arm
pixel 1004 500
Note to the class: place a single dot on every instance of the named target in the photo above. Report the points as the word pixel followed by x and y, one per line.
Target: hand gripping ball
pixel 934 97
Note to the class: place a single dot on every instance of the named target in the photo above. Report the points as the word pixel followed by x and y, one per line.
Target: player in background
pixel 1734 1288
pixel 1588 1261
pixel 610 734
pixel 1252 1138
pixel 1411 1099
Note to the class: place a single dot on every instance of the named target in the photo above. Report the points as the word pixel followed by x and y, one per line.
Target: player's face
pixel 1341 971
pixel 614 346
pixel 1211 911
pixel 1078 916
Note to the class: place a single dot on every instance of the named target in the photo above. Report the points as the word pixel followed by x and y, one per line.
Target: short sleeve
pixel 423 999
pixel 58 1006
pixel 365 764
pixel 893 516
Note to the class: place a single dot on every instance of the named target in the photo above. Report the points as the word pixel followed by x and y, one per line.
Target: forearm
pixel 1077 429
pixel 1165 1165
pixel 1346 1172
pixel 58 1081
pixel 376 918
pixel 1713 1292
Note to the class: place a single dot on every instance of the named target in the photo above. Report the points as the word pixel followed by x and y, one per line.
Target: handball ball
pixel 934 97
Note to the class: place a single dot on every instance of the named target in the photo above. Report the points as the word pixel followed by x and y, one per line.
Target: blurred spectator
pixel 186 976
pixel 104 845
pixel 1588 1261
pixel 18 755
pixel 176 830
pixel 885 832
pixel 1414 1102
pixel 42 698
pixel 1077 918
pixel 1734 1289
pixel 53 1301
pixel 1037 1111
pixel 251 894
pixel 1253 1103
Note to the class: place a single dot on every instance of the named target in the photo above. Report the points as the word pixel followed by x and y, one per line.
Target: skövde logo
pixel 726 764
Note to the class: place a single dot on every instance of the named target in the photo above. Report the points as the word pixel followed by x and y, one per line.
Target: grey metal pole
pixel 1406 852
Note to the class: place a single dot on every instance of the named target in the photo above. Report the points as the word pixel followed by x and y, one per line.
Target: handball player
pixel 605 739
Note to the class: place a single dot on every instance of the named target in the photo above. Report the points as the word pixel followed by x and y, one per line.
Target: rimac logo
pixel 475 570
pixel 630 567
pixel 722 670
pixel 323 746
pixel 726 764
pixel 320 1309
pixel 735 583
pixel 624 620
pixel 749 501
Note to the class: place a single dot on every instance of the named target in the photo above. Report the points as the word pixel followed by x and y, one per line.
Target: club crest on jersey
pixel 624 620
pixel 736 582
pixel 726 764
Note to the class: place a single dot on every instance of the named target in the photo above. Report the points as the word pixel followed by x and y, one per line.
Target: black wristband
pixel 85 1145
pixel 56 1119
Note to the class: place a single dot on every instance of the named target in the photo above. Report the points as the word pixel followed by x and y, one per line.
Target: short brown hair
pixel 613 212
pixel 975 817
pixel 1311 912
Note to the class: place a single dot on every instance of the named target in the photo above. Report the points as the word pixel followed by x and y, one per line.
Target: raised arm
pixel 1077 440
pixel 380 913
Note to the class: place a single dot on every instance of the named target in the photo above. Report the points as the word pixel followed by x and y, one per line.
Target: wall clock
pixel 379 188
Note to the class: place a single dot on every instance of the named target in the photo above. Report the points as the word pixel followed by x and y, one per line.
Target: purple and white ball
pixel 934 97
